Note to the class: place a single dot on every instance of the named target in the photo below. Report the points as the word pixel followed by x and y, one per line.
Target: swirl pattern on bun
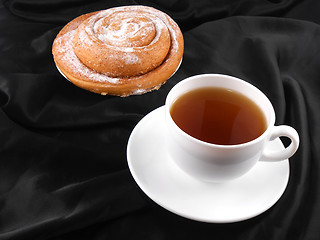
pixel 119 51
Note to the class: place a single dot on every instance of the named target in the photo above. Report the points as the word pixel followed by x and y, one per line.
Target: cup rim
pixel 270 124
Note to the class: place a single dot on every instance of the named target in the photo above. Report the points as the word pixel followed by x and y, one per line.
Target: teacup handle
pixel 282 131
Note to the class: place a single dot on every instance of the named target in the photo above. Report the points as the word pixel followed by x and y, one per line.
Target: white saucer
pixel 159 178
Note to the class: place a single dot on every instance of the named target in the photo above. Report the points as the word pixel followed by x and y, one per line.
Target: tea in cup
pixel 219 127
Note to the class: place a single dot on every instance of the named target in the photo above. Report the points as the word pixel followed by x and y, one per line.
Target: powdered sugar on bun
pixel 119 51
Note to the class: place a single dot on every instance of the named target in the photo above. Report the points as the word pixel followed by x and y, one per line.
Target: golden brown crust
pixel 120 51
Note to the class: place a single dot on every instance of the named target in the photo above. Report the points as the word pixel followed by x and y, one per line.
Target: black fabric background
pixel 63 168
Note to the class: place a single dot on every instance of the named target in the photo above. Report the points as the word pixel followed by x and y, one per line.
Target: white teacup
pixel 219 163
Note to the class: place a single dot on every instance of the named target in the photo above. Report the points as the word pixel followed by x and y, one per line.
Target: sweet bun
pixel 119 51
